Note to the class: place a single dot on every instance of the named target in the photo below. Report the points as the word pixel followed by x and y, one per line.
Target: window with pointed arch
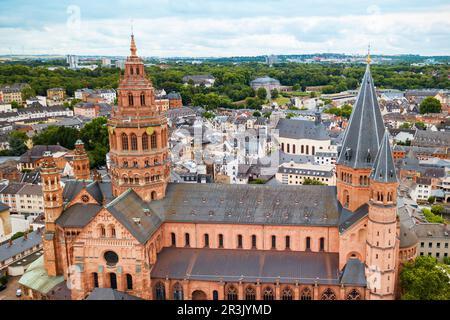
pixel 354 295
pixel 130 98
pixel 124 141
pixel 232 293
pixel 250 293
pixel 287 294
pixel 177 291
pixel 153 140
pixel 328 294
pixel 268 293
pixel 134 145
pixel 145 141
pixel 112 231
pixel 142 98
pixel 160 291
pixel 306 294
pixel 102 231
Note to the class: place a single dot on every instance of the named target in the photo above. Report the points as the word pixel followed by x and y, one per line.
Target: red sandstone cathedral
pixel 150 239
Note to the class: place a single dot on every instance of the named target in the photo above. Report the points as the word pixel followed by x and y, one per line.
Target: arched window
pixel 102 231
pixel 254 241
pixel 286 294
pixel 113 280
pixel 112 231
pixel 187 240
pixel 134 145
pixel 153 140
pixel 250 293
pixel 307 149
pixel 215 295
pixel 313 150
pixel 142 98
pixel 129 282
pixel 346 198
pixel 288 242
pixel 173 239
pixel 354 295
pixel 232 293
pixel 177 291
pixel 153 195
pixel 160 291
pixel 328 294
pixel 322 244
pixel 308 243
pixel 220 240
pixel 145 141
pixel 130 99
pixel 239 245
pixel 206 238
pixel 306 294
pixel 95 279
pixel 113 140
pixel 268 294
pixel 124 141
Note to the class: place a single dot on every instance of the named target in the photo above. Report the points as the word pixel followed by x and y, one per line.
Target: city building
pixel 148 238
pixel 72 61
pixel 296 173
pixel 5 221
pixel 200 80
pixel 56 94
pixel 433 240
pixel 267 83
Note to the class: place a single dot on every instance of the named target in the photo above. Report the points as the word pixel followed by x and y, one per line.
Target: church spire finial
pixel 369 60
pixel 133 48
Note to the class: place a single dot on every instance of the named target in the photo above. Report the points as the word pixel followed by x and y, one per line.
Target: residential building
pixel 56 94
pixel 200 80
pixel 433 240
pixel 296 173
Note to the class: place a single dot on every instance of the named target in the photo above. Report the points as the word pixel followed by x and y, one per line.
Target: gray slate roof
pixel 383 168
pixel 354 273
pixel 20 245
pixel 78 215
pixel 110 294
pixel 301 129
pixel 365 129
pixel 247 265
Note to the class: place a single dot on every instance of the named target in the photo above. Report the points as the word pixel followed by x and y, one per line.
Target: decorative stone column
pixel 296 292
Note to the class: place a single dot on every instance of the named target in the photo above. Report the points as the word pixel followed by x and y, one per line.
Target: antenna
pixel 132 32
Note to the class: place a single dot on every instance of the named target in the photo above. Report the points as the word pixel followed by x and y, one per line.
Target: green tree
pixel 15 105
pixel 309 181
pixel 274 93
pixel 431 199
pixel 261 93
pixel 257 114
pixel 96 141
pixel 420 125
pixel 267 114
pixel 17 235
pixel 437 209
pixel 52 135
pixel 27 93
pixel 425 279
pixel 208 115
pixel 431 217
pixel 405 125
pixel 430 105
pixel 17 140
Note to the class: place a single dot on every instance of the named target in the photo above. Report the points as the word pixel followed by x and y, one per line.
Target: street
pixel 10 292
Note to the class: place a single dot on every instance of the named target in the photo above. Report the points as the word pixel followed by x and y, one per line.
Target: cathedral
pixel 151 239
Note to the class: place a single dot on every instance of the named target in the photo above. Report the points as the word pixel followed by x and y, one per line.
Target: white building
pixel 296 173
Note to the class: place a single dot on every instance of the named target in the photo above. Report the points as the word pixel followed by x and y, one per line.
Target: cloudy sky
pixel 224 27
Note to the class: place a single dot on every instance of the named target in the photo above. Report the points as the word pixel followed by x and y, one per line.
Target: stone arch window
pixel 206 240
pixel 153 195
pixel 250 293
pixel 187 240
pixel 177 291
pixel 130 98
pixel 102 231
pixel 173 239
pixel 153 140
pixel 145 141
pixel 253 241
pixel 268 294
pixel 306 294
pixel 124 141
pixel 361 180
pixel 160 291
pixel 354 295
pixel 134 144
pixel 220 240
pixel 129 281
pixel 142 97
pixel 287 294
pixel 328 294
pixel 112 231
pixel 136 179
pixel 94 279
pixel 239 238
pixel 232 293
pixel 215 295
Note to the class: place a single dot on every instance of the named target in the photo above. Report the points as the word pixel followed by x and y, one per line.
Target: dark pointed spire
pixel 365 129
pixel 383 167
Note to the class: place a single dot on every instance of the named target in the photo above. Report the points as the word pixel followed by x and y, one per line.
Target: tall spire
pixel 365 129
pixel 133 48
pixel 383 168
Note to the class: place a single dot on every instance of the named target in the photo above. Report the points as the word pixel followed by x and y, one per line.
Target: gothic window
pixel 145 141
pixel 173 239
pixel 137 70
pixel 322 244
pixel 186 239
pixel 346 198
pixel 239 241
pixel 142 99
pixel 254 241
pixel 286 294
pixel 113 140
pixel 274 242
pixel 136 180
pixel 268 294
pixel 354 295
pixel 360 180
pixel 134 145
pixel 112 231
pixel 124 141
pixel 306 294
pixel 130 99
pixel 206 238
pixel 220 240
pixel 153 140
pixel 125 164
pixel 328 294
pixel 113 280
pixel 129 282
pixel 250 293
pixel 102 231
pixel 177 291
pixel 308 243
pixel 288 242
pixel 232 293
pixel 160 291
pixel 215 295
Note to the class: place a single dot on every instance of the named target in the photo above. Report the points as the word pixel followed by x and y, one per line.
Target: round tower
pixel 138 135
pixel 81 162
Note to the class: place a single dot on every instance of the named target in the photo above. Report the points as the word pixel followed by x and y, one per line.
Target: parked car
pixel 2 287
pixel 19 292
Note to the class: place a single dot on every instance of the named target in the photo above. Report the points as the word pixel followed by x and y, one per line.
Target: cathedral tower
pixel 53 207
pixel 81 162
pixel 360 146
pixel 138 135
pixel 382 241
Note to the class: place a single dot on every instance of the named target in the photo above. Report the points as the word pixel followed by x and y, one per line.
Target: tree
pixel 17 144
pixel 267 114
pixel 27 93
pixel 437 209
pixel 254 103
pixel 430 105
pixel 96 141
pixel 425 279
pixel 420 125
pixel 17 235
pixel 274 93
pixel 257 114
pixel 52 135
pixel 405 125
pixel 261 93
pixel 208 115
pixel 431 199
pixel 431 217
pixel 309 181
pixel 15 105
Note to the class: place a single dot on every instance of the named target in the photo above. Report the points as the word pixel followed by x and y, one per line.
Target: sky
pixel 206 28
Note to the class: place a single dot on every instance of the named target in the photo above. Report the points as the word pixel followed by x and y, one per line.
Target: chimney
pixel 10 242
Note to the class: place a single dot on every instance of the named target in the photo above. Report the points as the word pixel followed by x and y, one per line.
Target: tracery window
pixel 354 295
pixel 232 293
pixel 250 293
pixel 306 294
pixel 160 291
pixel 286 294
pixel 177 291
pixel 145 141
pixel 268 293
pixel 134 145
pixel 328 294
